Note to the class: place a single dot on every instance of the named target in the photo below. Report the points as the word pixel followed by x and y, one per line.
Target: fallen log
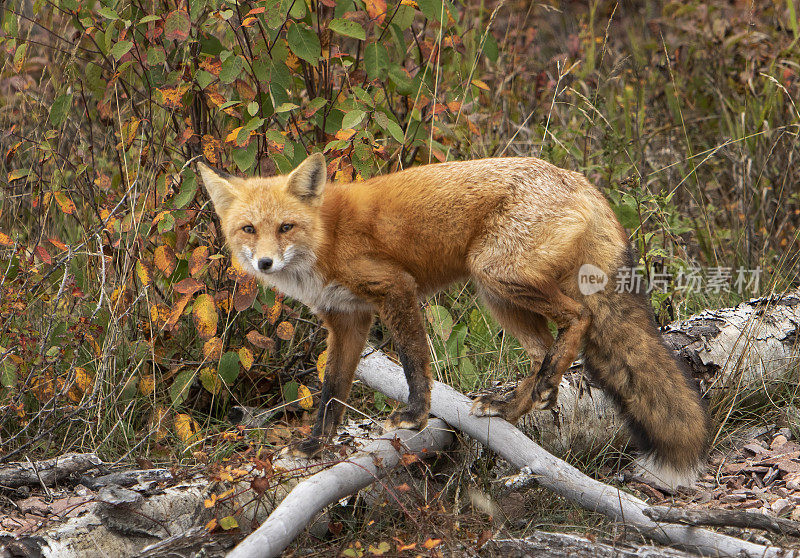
pixel 46 472
pixel 749 347
pixel 380 373
pixel 330 485
pixel 564 545
pixel 724 518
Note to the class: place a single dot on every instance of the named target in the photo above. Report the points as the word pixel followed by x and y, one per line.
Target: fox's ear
pixel 218 186
pixel 307 181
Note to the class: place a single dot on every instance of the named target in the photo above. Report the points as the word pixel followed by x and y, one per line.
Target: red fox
pixel 521 229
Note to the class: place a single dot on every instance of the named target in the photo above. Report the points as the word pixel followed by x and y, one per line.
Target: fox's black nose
pixel 264 264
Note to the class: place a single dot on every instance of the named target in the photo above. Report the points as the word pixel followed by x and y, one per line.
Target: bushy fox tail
pixel 625 353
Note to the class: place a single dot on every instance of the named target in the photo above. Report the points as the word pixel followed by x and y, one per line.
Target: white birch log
pixel 747 348
pixel 330 485
pixel 380 373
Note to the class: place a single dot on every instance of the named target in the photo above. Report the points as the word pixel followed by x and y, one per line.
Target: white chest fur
pixel 310 288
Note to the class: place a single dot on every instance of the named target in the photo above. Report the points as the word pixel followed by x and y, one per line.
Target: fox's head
pixel 271 224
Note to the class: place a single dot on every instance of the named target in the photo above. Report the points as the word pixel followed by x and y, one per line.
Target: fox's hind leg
pixel 530 329
pixel 572 320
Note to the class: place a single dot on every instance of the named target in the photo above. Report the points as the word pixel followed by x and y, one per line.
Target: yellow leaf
pixel 165 260
pixel 211 525
pixel 411 3
pixel 231 138
pixel 205 316
pixel 246 358
pixel 432 543
pixel 212 349
pixel 5 240
pixel 198 259
pixel 285 331
pixel 480 84
pixel 322 361
pixel 143 273
pixel 147 384
pixel 159 314
pixel 63 201
pixel 274 312
pixel 186 427
pixel 304 398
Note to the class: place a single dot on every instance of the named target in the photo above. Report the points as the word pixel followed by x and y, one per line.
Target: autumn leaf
pixel 246 358
pixel 304 398
pixel 431 543
pixel 376 9
pixel 212 349
pixel 285 331
pixel 205 316
pixel 172 96
pixel 274 312
pixel 147 384
pixel 143 273
pixel 63 201
pixel 186 428
pixel 198 259
pixel 322 361
pixel 5 240
pixel 159 314
pixel 177 311
pixel 164 258
pixel 246 292
pixel 409 458
pixel 177 26
pixel 210 380
pixel 211 149
pixel 260 341
pixel 480 84
pixel 188 286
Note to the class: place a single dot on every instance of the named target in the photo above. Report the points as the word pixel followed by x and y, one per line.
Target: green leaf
pixel 389 125
pixel 149 18
pixel 252 108
pixel 285 107
pixel 180 386
pixel 107 13
pixel 304 43
pixel 186 194
pixel 376 60
pixel 347 28
pixel 231 68
pixel 441 320
pixel 228 523
pixel 157 56
pixel 290 391
pixel 121 49
pixel 202 77
pixel 244 157
pixel 353 118
pixel 432 9
pixel 60 108
pixel 228 368
pixel 177 26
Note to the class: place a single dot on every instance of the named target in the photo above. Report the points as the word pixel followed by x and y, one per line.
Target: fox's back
pixel 428 218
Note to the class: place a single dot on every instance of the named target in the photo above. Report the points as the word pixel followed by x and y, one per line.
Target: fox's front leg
pixel 400 312
pixel 347 333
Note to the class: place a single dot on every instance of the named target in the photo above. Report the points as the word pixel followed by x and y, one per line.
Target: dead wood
pixel 724 518
pixel 46 472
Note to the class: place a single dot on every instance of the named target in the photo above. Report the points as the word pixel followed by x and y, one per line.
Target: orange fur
pixel 520 228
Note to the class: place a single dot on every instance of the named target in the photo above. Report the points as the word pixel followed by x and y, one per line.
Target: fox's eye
pixel 249 229
pixel 286 227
